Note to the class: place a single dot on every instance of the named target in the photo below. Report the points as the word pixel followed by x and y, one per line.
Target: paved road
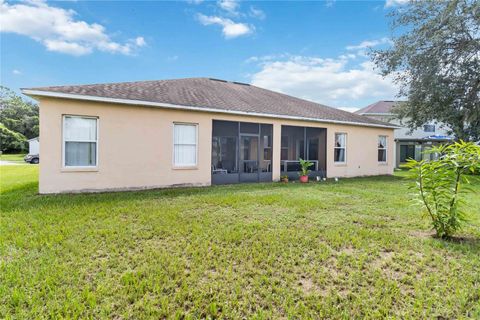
pixel 9 163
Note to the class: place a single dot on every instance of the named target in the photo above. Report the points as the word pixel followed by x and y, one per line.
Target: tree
pixel 18 114
pixel 11 141
pixel 435 60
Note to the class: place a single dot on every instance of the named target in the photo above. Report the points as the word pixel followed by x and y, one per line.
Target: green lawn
pixel 352 249
pixel 12 157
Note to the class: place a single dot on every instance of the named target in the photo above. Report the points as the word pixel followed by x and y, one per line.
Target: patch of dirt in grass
pixel 331 267
pixel 383 262
pixel 308 287
pixel 387 255
pixel 393 273
pixel 422 234
pixel 417 255
pixel 347 250
pixel 342 292
pixel 384 258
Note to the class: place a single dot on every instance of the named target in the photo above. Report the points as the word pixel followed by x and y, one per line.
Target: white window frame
pixel 192 166
pixel 384 148
pixel 64 166
pixel 429 131
pixel 335 147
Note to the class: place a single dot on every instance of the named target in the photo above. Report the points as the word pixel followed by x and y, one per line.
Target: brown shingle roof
pixel 206 93
pixel 379 107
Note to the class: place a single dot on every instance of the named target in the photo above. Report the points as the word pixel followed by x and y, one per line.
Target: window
pixel 382 148
pixel 340 147
pixel 79 141
pixel 407 151
pixel 184 145
pixel 429 128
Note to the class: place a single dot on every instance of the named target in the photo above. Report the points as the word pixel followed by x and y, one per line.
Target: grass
pixel 12 157
pixel 352 249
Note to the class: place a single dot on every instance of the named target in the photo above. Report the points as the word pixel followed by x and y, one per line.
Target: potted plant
pixel 304 165
pixel 284 179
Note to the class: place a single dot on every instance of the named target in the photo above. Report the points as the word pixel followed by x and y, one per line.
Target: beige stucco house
pixel 196 132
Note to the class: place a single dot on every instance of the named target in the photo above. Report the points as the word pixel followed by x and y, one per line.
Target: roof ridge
pixel 121 82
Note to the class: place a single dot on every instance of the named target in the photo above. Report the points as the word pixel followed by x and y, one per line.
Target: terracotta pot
pixel 303 179
pixel 285 180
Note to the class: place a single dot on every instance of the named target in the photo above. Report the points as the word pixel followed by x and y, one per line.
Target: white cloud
pixel 329 3
pixel 59 30
pixel 230 6
pixel 230 29
pixel 333 82
pixel 16 72
pixel 393 3
pixel 140 41
pixel 369 44
pixel 257 13
pixel 172 58
pixel 262 59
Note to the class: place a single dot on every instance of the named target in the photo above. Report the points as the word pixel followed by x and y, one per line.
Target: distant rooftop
pixel 379 107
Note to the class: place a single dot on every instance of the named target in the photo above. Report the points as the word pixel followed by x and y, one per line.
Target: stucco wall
pixel 135 147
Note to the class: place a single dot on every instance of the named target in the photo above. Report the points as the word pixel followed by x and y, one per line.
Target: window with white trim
pixel 185 144
pixel 80 141
pixel 340 149
pixel 382 148
pixel 429 128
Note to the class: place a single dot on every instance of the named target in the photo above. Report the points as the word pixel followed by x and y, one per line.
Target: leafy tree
pixel 440 184
pixel 435 60
pixel 11 141
pixel 18 114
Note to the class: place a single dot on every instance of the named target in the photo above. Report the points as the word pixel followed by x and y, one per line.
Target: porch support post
pixel 277 141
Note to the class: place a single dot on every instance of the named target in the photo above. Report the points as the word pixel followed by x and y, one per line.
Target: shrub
pixel 439 184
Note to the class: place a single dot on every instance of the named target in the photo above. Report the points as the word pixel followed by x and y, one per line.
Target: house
pixel 408 144
pixel 196 132
pixel 33 146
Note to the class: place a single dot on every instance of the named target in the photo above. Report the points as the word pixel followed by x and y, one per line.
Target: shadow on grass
pixel 458 243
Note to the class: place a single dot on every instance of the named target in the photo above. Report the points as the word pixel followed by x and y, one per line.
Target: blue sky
pixel 313 50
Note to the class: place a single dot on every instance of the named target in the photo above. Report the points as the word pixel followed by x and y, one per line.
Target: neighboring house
pixel 409 144
pixel 33 146
pixel 196 132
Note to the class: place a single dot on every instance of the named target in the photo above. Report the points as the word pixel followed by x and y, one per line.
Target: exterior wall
pixel 135 147
pixel 33 146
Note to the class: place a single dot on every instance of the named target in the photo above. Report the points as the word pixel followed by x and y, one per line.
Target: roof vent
pixel 220 80
pixel 241 83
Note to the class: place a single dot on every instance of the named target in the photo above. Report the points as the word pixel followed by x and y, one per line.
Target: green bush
pixel 440 183
pixel 11 141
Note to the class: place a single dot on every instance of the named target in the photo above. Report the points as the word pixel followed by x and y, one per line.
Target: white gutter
pixel 32 92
